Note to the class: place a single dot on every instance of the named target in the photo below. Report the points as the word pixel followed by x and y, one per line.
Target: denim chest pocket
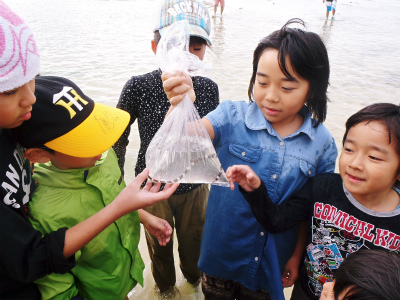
pixel 245 153
pixel 307 169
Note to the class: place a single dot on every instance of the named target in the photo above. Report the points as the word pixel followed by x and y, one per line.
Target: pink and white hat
pixel 19 55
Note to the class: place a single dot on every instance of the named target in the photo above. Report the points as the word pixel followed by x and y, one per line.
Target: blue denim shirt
pixel 234 245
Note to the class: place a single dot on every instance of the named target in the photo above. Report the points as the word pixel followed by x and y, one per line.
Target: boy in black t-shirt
pixel 356 209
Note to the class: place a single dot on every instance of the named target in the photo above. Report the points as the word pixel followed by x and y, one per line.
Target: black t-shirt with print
pixel 338 225
pixel 24 255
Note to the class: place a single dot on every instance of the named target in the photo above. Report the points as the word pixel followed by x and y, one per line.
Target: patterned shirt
pixel 143 97
pixel 338 225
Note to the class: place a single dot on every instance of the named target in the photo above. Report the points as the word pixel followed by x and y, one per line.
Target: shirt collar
pixel 255 120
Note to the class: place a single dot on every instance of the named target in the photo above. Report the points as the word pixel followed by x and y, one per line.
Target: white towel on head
pixel 19 55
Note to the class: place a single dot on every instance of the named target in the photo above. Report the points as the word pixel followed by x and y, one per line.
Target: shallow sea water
pixel 100 44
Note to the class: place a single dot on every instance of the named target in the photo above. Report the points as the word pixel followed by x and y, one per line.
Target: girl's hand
pixel 291 272
pixel 157 227
pixel 244 176
pixel 327 292
pixel 176 86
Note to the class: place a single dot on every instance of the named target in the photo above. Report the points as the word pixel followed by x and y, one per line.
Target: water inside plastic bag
pixel 181 150
pixel 199 165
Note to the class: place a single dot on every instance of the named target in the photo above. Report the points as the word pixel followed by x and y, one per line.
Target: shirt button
pixel 281 143
pixel 256 258
pixel 243 153
pixel 274 176
pixel 309 172
pixel 262 233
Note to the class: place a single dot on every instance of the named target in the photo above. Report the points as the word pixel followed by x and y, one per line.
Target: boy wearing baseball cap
pixel 25 253
pixel 143 97
pixel 77 175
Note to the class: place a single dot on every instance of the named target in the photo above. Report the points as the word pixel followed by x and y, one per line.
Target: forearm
pixel 78 236
pixel 301 241
pixel 143 216
pixel 274 218
pixel 131 198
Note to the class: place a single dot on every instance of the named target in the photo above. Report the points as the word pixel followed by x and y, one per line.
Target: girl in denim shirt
pixel 280 136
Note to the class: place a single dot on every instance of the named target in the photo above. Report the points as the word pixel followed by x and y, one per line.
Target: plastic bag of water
pixel 181 150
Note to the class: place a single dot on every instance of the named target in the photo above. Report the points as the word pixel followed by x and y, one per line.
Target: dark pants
pixel 298 292
pixel 221 289
pixel 188 211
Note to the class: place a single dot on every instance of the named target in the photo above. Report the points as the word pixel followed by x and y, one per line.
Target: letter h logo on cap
pixel 57 99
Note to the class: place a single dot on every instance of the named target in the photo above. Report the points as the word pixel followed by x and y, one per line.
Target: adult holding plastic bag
pixel 144 98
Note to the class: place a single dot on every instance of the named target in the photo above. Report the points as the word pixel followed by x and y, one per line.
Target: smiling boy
pixel 358 209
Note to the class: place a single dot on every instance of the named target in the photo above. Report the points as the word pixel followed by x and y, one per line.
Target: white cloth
pixel 19 55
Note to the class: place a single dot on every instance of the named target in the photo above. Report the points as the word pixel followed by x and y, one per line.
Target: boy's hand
pixel 133 197
pixel 176 86
pixel 291 272
pixel 158 227
pixel 244 176
pixel 327 292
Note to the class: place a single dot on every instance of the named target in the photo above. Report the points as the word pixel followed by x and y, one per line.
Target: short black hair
pixel 387 113
pixel 309 58
pixel 369 275
pixel 193 39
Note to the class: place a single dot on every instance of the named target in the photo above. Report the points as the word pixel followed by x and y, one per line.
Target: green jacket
pixel 110 265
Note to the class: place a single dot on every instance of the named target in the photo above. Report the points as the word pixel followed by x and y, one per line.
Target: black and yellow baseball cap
pixel 66 120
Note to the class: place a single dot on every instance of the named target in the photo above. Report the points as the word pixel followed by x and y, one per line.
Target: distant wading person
pixel 221 3
pixel 330 6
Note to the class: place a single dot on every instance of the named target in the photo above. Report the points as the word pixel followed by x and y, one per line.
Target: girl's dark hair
pixel 309 59
pixel 387 113
pixel 369 275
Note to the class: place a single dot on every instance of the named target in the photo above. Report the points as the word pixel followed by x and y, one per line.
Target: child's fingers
pixel 175 100
pixel 176 87
pixel 142 176
pixel 287 280
pixel 187 79
pixel 166 75
pixel 168 228
pixel 148 186
pixel 250 177
pixel 155 188
pixel 231 178
pixel 169 189
pixel 173 82
pixel 327 291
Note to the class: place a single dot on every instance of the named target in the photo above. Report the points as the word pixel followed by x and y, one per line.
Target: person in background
pixel 280 134
pixel 366 275
pixel 330 6
pixel 347 212
pixel 26 255
pixel 143 97
pixel 221 3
